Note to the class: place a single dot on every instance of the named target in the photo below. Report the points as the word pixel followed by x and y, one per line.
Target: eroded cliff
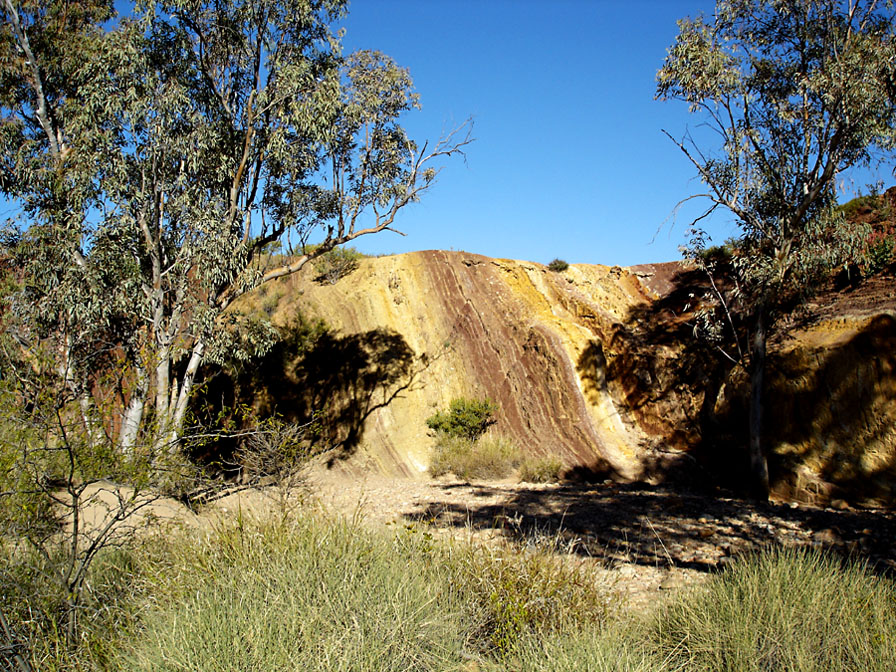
pixel 595 364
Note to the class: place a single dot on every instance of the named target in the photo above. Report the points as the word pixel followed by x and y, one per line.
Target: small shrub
pixel 466 418
pixel 558 266
pixel 782 610
pixel 486 458
pixel 270 299
pixel 541 469
pixel 879 252
pixel 515 596
pixel 861 205
pixel 337 263
pixel 34 611
pixel 719 255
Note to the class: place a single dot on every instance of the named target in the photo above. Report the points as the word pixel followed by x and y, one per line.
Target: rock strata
pixel 597 365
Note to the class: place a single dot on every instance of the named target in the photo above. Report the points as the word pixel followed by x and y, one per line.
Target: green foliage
pixel 547 469
pixel 782 610
pixel 514 596
pixel 467 418
pixel 796 92
pixel 37 612
pixel 156 161
pixel 558 265
pixel 305 592
pixel 488 457
pixel 462 449
pixel 159 160
pixel 786 213
pixel 880 252
pixel 613 650
pixel 869 204
pixel 336 264
pixel 311 594
pixel 716 256
pixel 880 236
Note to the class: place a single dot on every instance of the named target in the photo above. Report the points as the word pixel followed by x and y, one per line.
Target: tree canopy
pixel 157 155
pixel 795 92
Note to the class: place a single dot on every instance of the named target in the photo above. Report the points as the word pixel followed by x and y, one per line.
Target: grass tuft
pixel 541 469
pixel 303 595
pixel 488 457
pixel 515 596
pixel 782 610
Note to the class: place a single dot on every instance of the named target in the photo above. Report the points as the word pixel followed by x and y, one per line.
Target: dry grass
pixel 488 457
pixel 545 469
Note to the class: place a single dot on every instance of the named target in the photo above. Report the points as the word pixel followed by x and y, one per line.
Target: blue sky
pixel 570 160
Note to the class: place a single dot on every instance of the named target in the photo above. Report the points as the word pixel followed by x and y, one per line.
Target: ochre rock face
pixel 532 340
pixel 598 366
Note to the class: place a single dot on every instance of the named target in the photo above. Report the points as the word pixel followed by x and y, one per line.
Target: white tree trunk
pixel 178 410
pixel 130 424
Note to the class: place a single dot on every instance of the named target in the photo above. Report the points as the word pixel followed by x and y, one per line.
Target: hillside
pixel 597 365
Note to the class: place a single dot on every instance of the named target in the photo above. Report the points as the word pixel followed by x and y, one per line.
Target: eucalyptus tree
pixel 796 92
pixel 157 155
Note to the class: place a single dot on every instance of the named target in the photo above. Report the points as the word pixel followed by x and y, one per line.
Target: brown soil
pixel 871 296
pixel 647 538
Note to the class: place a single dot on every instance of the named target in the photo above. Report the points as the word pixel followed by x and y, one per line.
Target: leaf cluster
pixel 465 418
pixel 795 92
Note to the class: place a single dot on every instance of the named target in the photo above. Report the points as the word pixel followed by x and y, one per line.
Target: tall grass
pixel 792 610
pixel 512 596
pixel 488 457
pixel 305 595
pixel 34 607
pixel 546 469
pixel 309 593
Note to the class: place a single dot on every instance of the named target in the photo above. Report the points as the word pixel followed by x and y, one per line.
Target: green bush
pixel 781 610
pixel 35 610
pixel 861 205
pixel 465 418
pixel 545 469
pixel 486 458
pixel 879 253
pixel 558 266
pixel 337 263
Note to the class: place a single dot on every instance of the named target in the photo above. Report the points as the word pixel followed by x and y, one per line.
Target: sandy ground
pixel 647 539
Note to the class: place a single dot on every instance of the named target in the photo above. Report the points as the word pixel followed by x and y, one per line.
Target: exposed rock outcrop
pixel 598 365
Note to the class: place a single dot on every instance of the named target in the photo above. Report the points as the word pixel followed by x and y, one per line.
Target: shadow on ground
pixel 658 526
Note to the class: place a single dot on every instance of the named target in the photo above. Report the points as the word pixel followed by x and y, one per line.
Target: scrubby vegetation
pixel 781 610
pixel 874 212
pixel 337 263
pixel 558 266
pixel 465 418
pixel 490 456
pixel 546 469
pixel 462 447
pixel 305 592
